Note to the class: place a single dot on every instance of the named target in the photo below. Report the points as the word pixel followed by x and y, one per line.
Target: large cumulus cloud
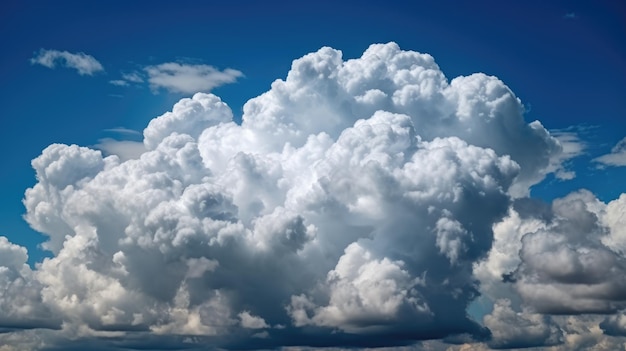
pixel 350 207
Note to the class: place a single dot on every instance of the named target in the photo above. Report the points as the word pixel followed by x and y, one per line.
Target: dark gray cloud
pixel 567 267
pixel 559 269
pixel 520 329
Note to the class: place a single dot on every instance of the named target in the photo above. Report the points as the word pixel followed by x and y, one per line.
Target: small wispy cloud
pixel 186 78
pixel 132 77
pixel 119 82
pixel 83 63
pixel 572 146
pixel 123 130
pixel 179 77
pixel 616 158
pixel 128 79
pixel 570 16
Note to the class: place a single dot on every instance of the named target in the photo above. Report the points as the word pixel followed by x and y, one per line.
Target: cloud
pixel 187 78
pixel 21 305
pixel 570 16
pixel 128 79
pixel 365 294
pixel 573 262
pixel 252 322
pixel 554 275
pixel 119 82
pixel 133 77
pixel 617 157
pixel 352 207
pixel 122 130
pixel 523 329
pixel 190 116
pixel 572 146
pixel 563 259
pixel 124 149
pixel 81 62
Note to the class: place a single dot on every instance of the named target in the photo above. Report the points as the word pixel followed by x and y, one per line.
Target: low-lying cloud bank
pixel 360 203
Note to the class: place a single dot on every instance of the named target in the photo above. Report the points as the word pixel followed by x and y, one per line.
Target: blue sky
pixel 565 61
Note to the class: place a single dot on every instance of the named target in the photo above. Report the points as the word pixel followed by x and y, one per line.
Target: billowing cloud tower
pixel 355 204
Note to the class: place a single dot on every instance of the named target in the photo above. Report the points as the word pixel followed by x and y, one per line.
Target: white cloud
pixel 613 218
pixel 124 149
pixel 189 116
pixel 13 256
pixel 365 295
pixel 128 79
pixel 81 62
pixel 119 82
pixel 20 302
pixel 617 157
pixel 133 77
pixel 573 147
pixel 123 130
pixel 511 329
pixel 252 322
pixel 187 78
pixel 352 203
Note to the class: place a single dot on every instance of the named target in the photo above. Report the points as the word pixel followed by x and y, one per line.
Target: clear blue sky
pixel 565 60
